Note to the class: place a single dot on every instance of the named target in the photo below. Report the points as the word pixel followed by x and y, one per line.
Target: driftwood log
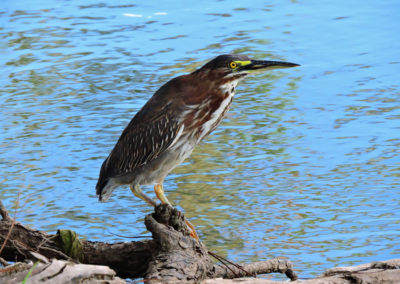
pixel 171 256
pixel 57 271
pixel 128 259
pixel 381 272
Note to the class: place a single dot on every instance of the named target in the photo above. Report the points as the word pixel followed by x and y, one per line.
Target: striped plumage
pixel 175 119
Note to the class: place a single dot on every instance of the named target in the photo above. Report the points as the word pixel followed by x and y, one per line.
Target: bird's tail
pixel 105 189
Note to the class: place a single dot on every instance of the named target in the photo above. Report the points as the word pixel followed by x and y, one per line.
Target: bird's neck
pixel 206 114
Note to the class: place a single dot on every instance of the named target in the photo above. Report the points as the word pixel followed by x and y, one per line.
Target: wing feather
pixel 141 142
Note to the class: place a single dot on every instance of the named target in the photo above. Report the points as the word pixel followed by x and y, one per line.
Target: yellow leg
pixel 158 189
pixel 139 193
pixel 193 232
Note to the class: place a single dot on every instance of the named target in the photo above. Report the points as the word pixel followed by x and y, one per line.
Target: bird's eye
pixel 233 64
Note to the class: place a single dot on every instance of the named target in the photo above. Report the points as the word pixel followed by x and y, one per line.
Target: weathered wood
pixel 276 265
pixel 172 256
pixel 58 271
pixel 147 258
pixel 375 272
pixel 178 256
pixel 128 259
pixel 382 272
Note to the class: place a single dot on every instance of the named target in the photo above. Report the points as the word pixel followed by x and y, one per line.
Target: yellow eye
pixel 233 64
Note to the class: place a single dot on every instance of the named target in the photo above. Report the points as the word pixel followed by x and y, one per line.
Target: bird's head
pixel 236 67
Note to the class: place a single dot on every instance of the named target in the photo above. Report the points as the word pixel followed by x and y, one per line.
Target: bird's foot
pixel 193 232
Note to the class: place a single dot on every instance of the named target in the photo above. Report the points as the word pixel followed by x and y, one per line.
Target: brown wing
pixel 147 136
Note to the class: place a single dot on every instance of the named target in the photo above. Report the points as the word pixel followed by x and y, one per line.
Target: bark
pixel 172 256
pixel 382 272
pixel 276 265
pixel 57 271
pixel 178 256
pixel 128 259
pixel 61 271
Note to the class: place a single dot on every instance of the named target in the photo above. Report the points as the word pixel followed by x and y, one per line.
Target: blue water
pixel 306 165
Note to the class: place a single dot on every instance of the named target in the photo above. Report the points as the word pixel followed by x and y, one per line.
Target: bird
pixel 165 131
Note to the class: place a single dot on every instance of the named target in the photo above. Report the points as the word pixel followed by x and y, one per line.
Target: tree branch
pixel 276 265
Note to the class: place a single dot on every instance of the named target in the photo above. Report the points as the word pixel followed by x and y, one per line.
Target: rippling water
pixel 306 165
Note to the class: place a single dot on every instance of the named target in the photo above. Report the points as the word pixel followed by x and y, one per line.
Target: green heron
pixel 170 125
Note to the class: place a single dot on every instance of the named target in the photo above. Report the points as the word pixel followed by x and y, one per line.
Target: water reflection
pixel 306 164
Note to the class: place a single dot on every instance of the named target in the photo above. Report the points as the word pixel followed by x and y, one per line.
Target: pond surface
pixel 306 164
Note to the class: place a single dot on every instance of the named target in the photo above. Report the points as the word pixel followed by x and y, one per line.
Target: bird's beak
pixel 261 65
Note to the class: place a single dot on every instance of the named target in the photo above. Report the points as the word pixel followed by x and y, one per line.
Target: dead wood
pixel 57 271
pixel 382 272
pixel 128 259
pixel 178 256
pixel 172 256
pixel 276 265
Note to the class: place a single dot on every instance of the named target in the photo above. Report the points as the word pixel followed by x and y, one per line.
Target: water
pixel 306 165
